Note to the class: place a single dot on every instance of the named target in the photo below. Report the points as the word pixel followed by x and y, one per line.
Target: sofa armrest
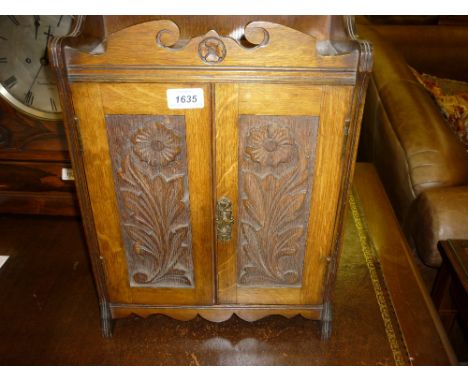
pixel 435 155
pixel 437 214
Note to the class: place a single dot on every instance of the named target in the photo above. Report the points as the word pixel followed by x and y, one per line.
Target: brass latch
pixel 224 219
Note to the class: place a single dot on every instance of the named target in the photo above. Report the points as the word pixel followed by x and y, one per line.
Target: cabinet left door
pixel 149 175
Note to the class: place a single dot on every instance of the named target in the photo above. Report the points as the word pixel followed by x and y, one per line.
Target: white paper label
pixel 192 98
pixel 67 174
pixel 3 260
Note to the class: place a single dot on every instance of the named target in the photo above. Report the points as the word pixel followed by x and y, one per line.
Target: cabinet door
pixel 278 161
pixel 148 170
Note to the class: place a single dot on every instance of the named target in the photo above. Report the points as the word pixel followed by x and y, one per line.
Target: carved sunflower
pixel 156 145
pixel 270 145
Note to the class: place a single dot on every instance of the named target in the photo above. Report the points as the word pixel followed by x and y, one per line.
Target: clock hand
pixel 45 57
pixel 37 23
pixel 34 80
pixel 44 61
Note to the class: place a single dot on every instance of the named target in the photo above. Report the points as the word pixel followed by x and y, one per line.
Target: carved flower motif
pixel 270 145
pixel 156 145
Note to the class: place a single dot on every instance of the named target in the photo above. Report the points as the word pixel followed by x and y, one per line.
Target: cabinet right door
pixel 279 163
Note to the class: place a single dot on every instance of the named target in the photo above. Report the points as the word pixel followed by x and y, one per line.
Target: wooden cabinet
pixel 213 171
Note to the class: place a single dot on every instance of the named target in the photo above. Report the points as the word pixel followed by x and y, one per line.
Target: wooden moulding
pixel 44 203
pixel 218 313
pixel 134 55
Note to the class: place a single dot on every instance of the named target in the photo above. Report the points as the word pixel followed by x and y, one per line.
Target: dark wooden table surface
pixel 383 314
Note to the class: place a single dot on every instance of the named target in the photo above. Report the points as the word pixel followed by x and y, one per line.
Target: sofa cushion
pixel 452 98
pixel 437 214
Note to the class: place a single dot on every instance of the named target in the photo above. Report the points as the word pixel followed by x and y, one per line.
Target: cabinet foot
pixel 107 324
pixel 326 330
pixel 326 321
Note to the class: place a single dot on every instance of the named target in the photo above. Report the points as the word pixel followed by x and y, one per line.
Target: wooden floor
pixel 49 313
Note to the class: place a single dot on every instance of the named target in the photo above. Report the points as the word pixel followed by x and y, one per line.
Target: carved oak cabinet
pixel 213 157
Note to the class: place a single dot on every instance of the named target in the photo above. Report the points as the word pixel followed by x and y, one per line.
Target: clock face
pixel 26 78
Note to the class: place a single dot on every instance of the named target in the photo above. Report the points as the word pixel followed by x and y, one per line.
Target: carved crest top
pixel 260 44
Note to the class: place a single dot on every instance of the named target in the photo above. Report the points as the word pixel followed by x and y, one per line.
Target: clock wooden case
pixel 226 203
pixel 33 147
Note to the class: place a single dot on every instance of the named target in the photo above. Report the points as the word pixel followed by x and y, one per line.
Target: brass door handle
pixel 224 219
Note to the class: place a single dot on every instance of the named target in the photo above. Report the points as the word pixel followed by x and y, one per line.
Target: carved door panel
pixel 278 152
pixel 148 171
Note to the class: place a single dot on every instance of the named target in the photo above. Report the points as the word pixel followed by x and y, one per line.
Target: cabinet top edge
pixel 162 42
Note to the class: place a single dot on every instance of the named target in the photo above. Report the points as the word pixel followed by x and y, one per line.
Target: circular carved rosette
pixel 270 146
pixel 212 50
pixel 156 145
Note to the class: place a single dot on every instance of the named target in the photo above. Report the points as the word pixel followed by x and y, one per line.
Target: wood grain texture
pixel 38 203
pixel 21 136
pixel 91 129
pixel 150 174
pixel 333 108
pixel 116 74
pixel 219 313
pixel 34 176
pixel 276 157
pixel 264 46
pixel 251 51
pixel 104 202
pixel 226 152
pixel 227 25
pixel 328 169
pixel 277 99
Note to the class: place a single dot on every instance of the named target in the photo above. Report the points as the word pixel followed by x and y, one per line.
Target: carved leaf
pixel 274 191
pixel 253 202
pixel 157 225
pixel 155 215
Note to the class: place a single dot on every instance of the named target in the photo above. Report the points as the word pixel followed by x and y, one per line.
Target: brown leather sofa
pixel 421 163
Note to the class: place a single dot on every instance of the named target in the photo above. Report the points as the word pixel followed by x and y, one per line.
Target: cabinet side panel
pixel 149 159
pixel 276 160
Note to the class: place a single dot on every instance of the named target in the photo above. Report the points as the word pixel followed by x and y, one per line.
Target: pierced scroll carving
pixel 212 48
pixel 159 46
pixel 276 159
pixel 150 174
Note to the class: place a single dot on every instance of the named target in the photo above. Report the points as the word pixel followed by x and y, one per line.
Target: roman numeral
pixel 3 60
pixel 60 20
pixel 10 82
pixel 3 38
pixel 14 20
pixel 53 105
pixel 29 98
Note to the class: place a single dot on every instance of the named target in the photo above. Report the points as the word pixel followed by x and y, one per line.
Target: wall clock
pixel 27 82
